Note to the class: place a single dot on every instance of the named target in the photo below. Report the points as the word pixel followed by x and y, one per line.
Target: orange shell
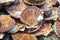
pixel 6 23
pixel 23 36
pixel 45 29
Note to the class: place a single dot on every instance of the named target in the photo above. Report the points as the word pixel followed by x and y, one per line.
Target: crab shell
pixel 30 15
pixel 16 10
pixel 23 36
pixel 6 23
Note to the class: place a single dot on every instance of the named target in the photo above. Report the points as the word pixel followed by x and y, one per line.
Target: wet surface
pixel 52 35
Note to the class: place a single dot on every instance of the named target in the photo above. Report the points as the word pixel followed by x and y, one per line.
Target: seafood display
pixel 29 19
